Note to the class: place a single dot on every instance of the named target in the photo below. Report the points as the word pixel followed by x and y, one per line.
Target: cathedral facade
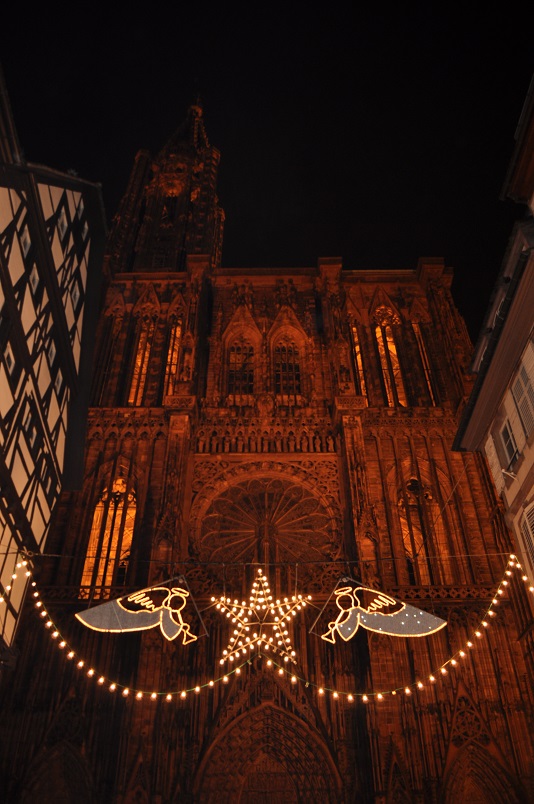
pixel 289 424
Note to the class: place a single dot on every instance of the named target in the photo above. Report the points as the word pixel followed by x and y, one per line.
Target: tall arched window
pixel 430 383
pixel 103 380
pixel 423 530
pixel 110 540
pixel 414 537
pixel 240 369
pixel 140 363
pixel 173 355
pixel 393 383
pixel 287 371
pixel 358 362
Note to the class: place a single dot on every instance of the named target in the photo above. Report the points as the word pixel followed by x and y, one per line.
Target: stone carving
pixel 291 747
pixel 256 436
pixel 285 293
pixel 243 294
pixel 468 724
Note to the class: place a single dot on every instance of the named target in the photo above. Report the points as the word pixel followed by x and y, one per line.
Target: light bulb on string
pixel 246 644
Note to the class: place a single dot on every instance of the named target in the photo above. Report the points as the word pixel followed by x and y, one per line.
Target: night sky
pixel 376 137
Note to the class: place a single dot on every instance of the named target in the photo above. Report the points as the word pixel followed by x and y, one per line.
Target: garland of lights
pixel 226 604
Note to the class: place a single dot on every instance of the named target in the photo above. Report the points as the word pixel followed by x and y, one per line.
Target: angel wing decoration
pixel 376 611
pixel 144 609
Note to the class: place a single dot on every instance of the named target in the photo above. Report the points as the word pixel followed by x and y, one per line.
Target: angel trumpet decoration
pixel 146 608
pixel 376 611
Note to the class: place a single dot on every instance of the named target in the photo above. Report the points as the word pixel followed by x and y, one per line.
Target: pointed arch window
pixel 173 355
pixel 287 371
pixel 141 359
pixel 103 379
pixel 429 378
pixel 393 383
pixel 358 361
pixel 110 540
pixel 424 537
pixel 240 369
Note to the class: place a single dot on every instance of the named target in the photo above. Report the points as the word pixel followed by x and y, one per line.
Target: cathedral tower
pixel 170 209
pixel 297 422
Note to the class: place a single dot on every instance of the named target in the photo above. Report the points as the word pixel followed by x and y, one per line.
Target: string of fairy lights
pixel 260 650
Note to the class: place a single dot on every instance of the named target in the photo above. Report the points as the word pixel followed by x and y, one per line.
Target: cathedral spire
pixel 171 204
pixel 192 132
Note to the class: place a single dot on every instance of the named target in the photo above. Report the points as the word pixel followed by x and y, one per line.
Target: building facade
pixel 297 422
pixel 51 242
pixel 499 417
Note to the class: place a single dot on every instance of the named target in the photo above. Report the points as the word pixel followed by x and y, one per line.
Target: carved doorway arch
pixel 63 770
pixel 263 749
pixel 268 782
pixel 476 776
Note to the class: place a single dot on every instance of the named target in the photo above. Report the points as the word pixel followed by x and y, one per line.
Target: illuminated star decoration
pixel 261 621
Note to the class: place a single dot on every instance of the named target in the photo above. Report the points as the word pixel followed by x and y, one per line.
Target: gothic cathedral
pixel 293 426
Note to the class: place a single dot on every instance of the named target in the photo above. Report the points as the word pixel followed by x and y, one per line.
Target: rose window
pixel 267 522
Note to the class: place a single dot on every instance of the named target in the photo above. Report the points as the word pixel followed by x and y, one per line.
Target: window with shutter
pixel 515 426
pixel 527 529
pixel 509 443
pixel 494 463
pixel 523 392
